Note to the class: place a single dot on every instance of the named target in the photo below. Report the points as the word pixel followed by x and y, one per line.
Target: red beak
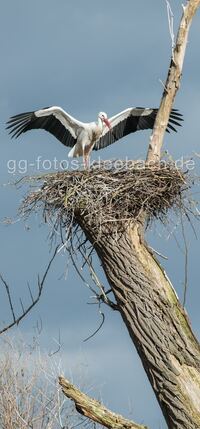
pixel 106 121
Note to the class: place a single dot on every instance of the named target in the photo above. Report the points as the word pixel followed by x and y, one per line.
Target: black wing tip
pixel 176 110
pixel 19 117
pixel 175 118
pixel 14 134
pixel 178 115
pixel 170 127
pixel 13 120
pixel 174 122
pixel 17 124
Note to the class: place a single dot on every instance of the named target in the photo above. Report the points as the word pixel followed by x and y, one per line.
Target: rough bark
pixel 156 321
pixel 94 409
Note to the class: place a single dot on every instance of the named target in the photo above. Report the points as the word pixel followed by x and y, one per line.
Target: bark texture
pixel 94 409
pixel 156 321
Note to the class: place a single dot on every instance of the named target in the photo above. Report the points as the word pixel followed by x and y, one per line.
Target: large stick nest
pixel 107 195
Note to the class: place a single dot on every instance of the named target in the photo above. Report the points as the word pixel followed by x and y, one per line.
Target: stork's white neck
pixel 100 124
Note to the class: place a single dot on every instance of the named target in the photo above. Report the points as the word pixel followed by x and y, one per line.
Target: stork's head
pixel 104 118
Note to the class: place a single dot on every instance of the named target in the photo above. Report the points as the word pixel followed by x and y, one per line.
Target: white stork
pixel 83 137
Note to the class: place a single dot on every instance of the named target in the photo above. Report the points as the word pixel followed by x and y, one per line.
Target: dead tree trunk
pixel 156 322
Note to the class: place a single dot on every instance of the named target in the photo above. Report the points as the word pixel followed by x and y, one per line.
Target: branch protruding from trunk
pixel 94 410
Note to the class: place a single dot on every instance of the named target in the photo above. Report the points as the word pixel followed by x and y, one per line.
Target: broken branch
pixel 94 410
pixel 172 83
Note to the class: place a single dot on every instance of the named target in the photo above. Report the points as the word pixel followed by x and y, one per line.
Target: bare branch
pixel 171 25
pixel 102 297
pixel 186 262
pixel 59 345
pixel 94 410
pixel 151 249
pixel 25 311
pixel 172 82
pixel 9 297
pixel 98 329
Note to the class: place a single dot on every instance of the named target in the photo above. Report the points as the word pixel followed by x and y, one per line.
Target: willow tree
pixel 113 206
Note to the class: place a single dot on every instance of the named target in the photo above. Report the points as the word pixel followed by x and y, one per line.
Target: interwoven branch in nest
pixel 103 195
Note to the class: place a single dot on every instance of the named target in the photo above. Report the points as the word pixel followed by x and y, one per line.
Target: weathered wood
pixel 94 410
pixel 172 83
pixel 156 321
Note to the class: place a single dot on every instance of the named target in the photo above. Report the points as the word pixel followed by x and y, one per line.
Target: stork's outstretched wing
pixel 132 120
pixel 52 119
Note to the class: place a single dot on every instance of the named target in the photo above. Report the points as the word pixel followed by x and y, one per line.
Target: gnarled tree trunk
pixel 156 321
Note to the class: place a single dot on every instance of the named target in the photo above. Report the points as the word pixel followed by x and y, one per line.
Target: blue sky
pixel 87 56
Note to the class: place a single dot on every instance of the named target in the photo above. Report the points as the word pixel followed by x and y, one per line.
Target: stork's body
pixel 86 140
pixel 83 137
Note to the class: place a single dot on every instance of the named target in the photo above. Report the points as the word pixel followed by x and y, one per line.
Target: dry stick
pixel 25 311
pixel 185 284
pixel 172 83
pixel 94 409
pixel 9 297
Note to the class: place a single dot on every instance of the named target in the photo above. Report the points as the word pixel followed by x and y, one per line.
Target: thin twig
pixel 98 329
pixel 9 298
pixel 157 253
pixel 59 345
pixel 186 262
pixel 25 311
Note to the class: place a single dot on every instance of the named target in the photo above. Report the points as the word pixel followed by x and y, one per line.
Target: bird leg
pixel 86 157
pixel 86 162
